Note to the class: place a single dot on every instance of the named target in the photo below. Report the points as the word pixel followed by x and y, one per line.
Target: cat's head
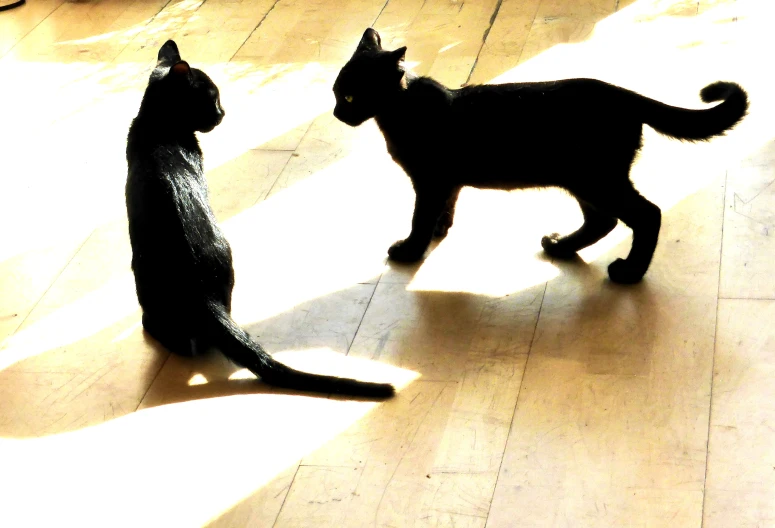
pixel 184 96
pixel 368 80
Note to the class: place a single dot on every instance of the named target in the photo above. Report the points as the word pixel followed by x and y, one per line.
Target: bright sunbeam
pixel 212 452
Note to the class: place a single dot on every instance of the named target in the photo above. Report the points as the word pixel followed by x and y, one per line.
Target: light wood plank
pixel 24 279
pixel 261 507
pixel 506 40
pixel 748 221
pixel 290 61
pixel 431 456
pixel 81 345
pixel 613 409
pixel 741 458
pixel 17 23
pixel 389 477
pixel 85 32
pixel 525 30
pixel 240 183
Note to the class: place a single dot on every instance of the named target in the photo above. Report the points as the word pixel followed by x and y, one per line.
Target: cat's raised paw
pixel 403 251
pixel 624 272
pixel 554 247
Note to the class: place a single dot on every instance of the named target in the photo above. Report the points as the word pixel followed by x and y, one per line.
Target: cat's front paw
pixel 554 247
pixel 405 251
pixel 624 272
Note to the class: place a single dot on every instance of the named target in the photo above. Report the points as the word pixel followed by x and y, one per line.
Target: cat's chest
pixel 413 144
pixel 188 161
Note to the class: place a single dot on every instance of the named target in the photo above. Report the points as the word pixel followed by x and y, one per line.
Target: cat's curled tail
pixel 698 125
pixel 237 345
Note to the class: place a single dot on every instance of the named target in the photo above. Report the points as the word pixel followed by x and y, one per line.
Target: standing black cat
pixel 578 134
pixel 181 260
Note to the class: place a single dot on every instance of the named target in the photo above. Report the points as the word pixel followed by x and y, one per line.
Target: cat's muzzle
pixel 217 121
pixel 351 120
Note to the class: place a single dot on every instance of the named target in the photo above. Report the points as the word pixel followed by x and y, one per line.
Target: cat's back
pixel 166 192
pixel 528 98
pixel 154 154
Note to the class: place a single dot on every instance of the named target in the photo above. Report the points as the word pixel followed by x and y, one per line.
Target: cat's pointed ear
pixel 181 70
pixel 169 54
pixel 370 41
pixel 398 55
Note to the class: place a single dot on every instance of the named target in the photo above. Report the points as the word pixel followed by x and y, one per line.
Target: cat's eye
pixel 348 98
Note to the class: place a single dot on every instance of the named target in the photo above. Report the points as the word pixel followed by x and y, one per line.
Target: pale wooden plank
pixel 578 9
pixel 179 465
pixel 745 268
pixel 85 32
pixel 614 404
pixel 622 4
pixel 378 478
pixel 261 507
pixel 219 28
pixel 741 458
pixel 507 37
pixel 291 60
pixel 25 277
pixel 403 327
pixel 443 38
pixel 431 456
pixel 748 221
pixel 561 22
pixel 81 345
pixel 17 23
pixel 241 182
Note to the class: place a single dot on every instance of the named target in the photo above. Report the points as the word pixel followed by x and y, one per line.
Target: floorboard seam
pixel 713 359
pixel 516 402
pixel 254 29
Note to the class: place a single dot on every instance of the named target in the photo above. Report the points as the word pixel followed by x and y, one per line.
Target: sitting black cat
pixel 580 135
pixel 181 261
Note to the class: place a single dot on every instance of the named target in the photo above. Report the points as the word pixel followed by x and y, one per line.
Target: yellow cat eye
pixel 348 98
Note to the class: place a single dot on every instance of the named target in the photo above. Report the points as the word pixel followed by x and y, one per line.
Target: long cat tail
pixel 698 125
pixel 237 345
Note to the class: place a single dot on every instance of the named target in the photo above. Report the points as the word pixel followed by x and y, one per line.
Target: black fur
pixel 181 260
pixel 580 135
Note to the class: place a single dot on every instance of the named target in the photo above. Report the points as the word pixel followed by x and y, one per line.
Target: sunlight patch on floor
pixel 263 435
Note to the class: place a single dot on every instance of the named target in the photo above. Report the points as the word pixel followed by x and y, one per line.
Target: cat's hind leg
pixel 170 335
pixel 645 220
pixel 447 216
pixel 596 225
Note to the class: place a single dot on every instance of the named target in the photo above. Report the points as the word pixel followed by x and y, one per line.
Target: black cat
pixel 580 135
pixel 181 261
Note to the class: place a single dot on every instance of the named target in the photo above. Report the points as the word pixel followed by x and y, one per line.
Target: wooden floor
pixel 533 393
